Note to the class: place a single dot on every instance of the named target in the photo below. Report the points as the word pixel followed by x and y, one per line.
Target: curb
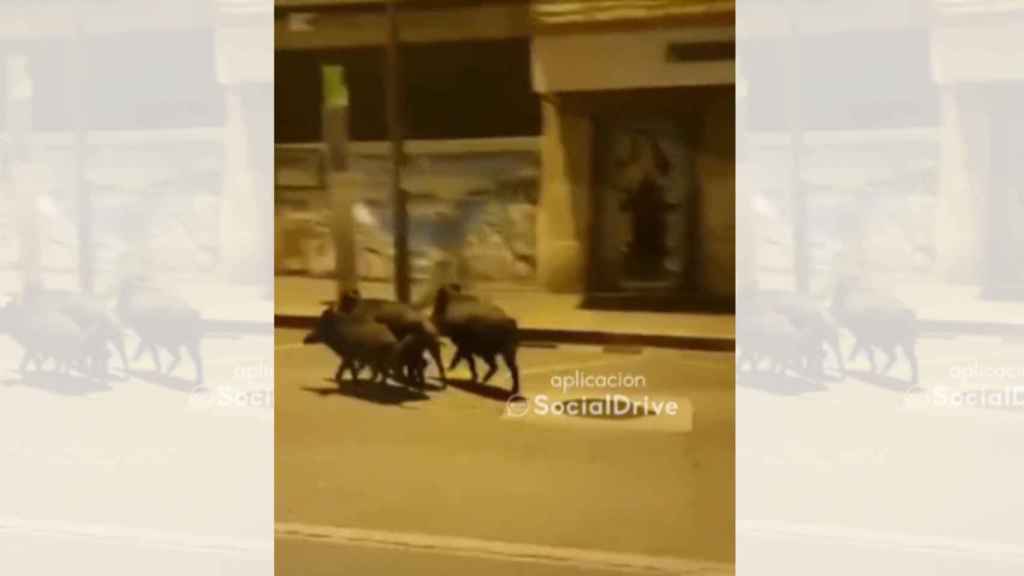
pixel 213 327
pixel 960 327
pixel 595 337
pixel 935 328
pixel 522 554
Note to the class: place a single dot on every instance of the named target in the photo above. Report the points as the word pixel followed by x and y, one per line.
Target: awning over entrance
pixel 560 15
pixel 581 46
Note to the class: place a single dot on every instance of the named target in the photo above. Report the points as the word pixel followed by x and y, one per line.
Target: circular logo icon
pixel 201 398
pixel 517 406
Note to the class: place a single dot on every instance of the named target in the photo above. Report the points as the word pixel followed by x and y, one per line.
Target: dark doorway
pixel 653 241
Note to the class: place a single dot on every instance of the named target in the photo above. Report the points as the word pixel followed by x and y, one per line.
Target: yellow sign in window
pixel 335 88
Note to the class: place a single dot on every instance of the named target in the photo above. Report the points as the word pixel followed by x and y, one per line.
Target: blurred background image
pixel 135 271
pixel 880 286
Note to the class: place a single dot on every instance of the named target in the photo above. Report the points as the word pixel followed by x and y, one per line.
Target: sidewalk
pixel 943 309
pixel 225 307
pixel 959 309
pixel 230 308
pixel 541 316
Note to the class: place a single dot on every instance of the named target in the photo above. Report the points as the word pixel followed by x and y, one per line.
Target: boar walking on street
pixel 403 321
pixel 477 329
pixel 358 340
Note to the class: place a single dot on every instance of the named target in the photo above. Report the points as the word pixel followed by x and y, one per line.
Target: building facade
pixel 976 52
pixel 638 188
pixel 626 110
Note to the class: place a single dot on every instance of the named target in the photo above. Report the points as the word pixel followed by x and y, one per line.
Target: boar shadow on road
pixel 884 381
pixel 779 384
pixel 382 394
pixel 165 380
pixel 62 384
pixel 483 390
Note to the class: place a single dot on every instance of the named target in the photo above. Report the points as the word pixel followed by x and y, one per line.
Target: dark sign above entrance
pixel 700 52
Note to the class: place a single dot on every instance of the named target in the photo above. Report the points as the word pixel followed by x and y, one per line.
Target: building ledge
pixel 556 16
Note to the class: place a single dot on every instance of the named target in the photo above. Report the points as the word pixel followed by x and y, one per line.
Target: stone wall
pixel 477 210
pixel 862 214
pixel 171 224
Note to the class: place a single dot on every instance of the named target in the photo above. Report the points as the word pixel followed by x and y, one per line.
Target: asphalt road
pixel 313 558
pixel 455 468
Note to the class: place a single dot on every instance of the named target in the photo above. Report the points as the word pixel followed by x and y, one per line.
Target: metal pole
pixel 800 241
pixel 398 194
pixel 84 200
pixel 334 161
pixel 19 121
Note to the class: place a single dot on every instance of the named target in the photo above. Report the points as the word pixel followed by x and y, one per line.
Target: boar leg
pixel 340 373
pixel 492 367
pixel 911 354
pixel 460 354
pixel 175 358
pixel 197 360
pixel 472 367
pixel 509 355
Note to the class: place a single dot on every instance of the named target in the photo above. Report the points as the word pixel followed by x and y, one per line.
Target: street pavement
pixel 867 473
pixel 452 482
pixel 142 473
pixel 313 558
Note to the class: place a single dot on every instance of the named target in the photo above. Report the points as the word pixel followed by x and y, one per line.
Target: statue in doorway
pixel 645 256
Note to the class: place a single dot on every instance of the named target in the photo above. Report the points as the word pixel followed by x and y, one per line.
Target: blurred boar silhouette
pixel 161 322
pixel 767 338
pixel 47 336
pixel 878 323
pixel 819 330
pixel 90 314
